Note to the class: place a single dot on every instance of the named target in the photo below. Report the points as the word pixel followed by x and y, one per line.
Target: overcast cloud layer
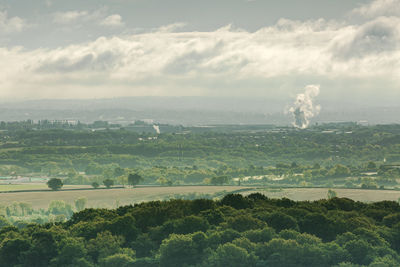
pixel 355 55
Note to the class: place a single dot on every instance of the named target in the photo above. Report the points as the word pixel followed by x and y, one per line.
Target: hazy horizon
pixel 192 111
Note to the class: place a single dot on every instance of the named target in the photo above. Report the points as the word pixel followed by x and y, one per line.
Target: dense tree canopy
pixel 233 231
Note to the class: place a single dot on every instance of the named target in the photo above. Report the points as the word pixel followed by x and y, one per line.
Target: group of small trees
pixel 21 214
pixel 133 179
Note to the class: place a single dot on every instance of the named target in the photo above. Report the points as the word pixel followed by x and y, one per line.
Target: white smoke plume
pixel 303 108
pixel 157 128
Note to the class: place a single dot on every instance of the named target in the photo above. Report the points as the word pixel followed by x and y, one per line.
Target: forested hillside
pixel 329 144
pixel 234 231
pixel 321 155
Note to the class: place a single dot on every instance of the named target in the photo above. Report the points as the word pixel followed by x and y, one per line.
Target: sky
pixel 222 48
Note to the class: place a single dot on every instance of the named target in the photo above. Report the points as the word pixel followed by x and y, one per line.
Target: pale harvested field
pixel 35 186
pixel 116 197
pixel 301 194
pixel 109 198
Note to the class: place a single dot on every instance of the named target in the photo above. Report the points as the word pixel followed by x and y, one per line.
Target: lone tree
pixel 55 184
pixel 219 180
pixel 95 185
pixel 331 194
pixel 108 183
pixel 134 179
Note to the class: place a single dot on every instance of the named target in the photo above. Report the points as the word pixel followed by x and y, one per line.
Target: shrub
pixel 80 203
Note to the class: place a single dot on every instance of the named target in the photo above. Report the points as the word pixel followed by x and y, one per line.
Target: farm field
pixel 103 198
pixel 302 194
pixel 37 186
pixel 109 198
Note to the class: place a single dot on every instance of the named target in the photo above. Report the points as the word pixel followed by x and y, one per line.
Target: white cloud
pixel 172 27
pixel 226 61
pixel 380 36
pixel 79 16
pixel 113 21
pixel 13 24
pixel 379 8
pixel 69 16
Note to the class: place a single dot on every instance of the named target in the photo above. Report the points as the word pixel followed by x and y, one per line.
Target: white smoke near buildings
pixel 157 128
pixel 303 108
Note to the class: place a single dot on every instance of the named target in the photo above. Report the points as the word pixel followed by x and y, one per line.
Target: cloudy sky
pixel 239 48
